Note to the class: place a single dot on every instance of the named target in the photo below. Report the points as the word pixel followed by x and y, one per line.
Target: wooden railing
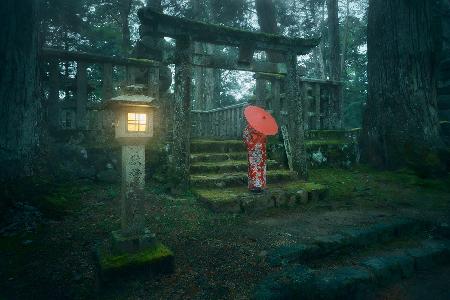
pixel 224 122
pixel 77 112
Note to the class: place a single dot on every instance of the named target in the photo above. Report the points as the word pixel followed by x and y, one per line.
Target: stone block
pixel 301 197
pixel 293 253
pixel 331 243
pixel 291 283
pixel 257 202
pixel 130 244
pixel 342 283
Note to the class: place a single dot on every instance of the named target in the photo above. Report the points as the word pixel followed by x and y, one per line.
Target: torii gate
pixel 185 32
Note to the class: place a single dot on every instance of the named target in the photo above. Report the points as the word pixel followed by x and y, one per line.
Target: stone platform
pixel 219 180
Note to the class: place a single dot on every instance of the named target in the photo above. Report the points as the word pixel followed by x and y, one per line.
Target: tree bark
pixel 267 20
pixel 345 42
pixel 20 106
pixel 400 119
pixel 333 38
pixel 124 11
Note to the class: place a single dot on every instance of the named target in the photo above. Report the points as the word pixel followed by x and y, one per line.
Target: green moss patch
pixel 146 258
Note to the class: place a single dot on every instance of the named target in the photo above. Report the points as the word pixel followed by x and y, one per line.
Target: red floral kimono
pixel 257 156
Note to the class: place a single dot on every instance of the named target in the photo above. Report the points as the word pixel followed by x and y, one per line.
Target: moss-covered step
pixel 332 134
pixel 227 166
pixel 237 179
pixel 157 259
pixel 239 199
pixel 217 146
pixel 215 157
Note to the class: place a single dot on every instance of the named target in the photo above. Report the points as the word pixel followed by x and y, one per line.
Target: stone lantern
pixel 134 116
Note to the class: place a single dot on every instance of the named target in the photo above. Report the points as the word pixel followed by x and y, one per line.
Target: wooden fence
pixel 83 114
pixel 221 123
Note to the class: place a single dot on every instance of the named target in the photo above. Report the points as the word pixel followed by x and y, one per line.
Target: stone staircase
pixel 355 262
pixel 219 179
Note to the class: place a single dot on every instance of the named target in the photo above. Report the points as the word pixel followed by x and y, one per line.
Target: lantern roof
pixel 133 95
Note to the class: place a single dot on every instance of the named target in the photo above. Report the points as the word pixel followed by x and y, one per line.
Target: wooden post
pixel 153 82
pixel 107 88
pixel 260 92
pixel 276 105
pixel 53 111
pixel 81 95
pixel 296 118
pixel 182 121
pixel 317 105
pixel 130 74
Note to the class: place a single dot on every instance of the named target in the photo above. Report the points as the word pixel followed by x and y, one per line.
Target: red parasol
pixel 260 120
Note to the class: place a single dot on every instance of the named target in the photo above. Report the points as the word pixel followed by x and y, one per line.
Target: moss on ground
pixel 147 257
pixel 365 187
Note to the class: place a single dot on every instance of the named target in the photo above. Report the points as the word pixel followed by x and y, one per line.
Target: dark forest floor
pixel 217 255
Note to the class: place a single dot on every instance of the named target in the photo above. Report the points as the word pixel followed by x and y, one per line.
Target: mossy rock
pixel 157 259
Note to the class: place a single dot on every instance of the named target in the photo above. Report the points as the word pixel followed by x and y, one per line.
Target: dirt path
pixel 218 256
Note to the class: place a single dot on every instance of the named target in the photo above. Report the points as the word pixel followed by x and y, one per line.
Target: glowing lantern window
pixel 137 122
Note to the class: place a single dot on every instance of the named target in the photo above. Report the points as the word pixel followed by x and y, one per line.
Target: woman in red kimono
pixel 260 125
pixel 257 157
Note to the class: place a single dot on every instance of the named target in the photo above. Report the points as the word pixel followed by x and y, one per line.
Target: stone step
pixel 217 157
pixel 237 179
pixel 344 241
pixel 355 280
pixel 331 134
pixel 239 199
pixel 217 146
pixel 228 166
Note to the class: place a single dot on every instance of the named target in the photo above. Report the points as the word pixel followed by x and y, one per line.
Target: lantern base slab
pixel 121 243
pixel 150 260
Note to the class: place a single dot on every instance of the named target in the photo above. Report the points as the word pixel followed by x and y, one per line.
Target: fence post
pixel 81 95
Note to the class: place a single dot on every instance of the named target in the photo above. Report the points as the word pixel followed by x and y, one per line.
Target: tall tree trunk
pixel 267 20
pixel 400 119
pixel 317 51
pixel 124 11
pixel 335 103
pixel 19 88
pixel 333 38
pixel 345 42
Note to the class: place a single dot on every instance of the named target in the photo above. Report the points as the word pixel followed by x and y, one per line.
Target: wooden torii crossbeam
pixel 184 31
pixel 158 24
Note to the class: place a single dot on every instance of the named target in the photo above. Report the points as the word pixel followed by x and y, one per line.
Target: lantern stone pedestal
pixel 133 249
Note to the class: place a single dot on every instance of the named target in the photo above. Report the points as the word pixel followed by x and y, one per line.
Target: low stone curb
pixel 256 202
pixel 345 240
pixel 353 282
